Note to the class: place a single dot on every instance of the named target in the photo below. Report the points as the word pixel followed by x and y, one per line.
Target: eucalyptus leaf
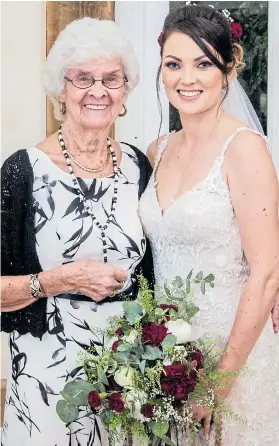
pixel 211 284
pixel 76 392
pixel 192 310
pixel 112 366
pixel 123 347
pixel 131 318
pixel 102 376
pixel 159 312
pixel 142 366
pixel 169 341
pixel 159 428
pixel 152 353
pixel 188 286
pixel 106 416
pixel 173 314
pixel 132 307
pixel 102 388
pixel 121 357
pixel 66 411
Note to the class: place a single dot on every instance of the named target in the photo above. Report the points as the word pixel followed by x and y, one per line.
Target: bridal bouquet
pixel 142 381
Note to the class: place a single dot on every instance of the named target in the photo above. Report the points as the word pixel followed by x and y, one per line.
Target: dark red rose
pixel 168 307
pixel 114 346
pixel 176 382
pixel 160 39
pixel 237 31
pixel 153 334
pixel 198 357
pixel 119 332
pixel 175 370
pixel 147 410
pixel 94 400
pixel 116 403
pixel 113 384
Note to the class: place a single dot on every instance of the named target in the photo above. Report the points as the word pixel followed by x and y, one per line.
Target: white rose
pixel 131 337
pixel 123 376
pixel 183 331
pixel 134 401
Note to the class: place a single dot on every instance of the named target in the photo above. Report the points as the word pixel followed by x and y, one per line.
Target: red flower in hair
pixel 237 31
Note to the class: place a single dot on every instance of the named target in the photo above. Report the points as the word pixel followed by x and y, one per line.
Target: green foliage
pixel 66 411
pixel 159 428
pixel 154 375
pixel 146 299
pixel 139 367
pixel 76 392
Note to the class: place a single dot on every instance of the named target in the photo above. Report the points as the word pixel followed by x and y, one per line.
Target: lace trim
pixel 214 177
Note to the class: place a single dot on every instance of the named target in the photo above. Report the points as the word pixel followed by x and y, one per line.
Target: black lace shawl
pixel 18 250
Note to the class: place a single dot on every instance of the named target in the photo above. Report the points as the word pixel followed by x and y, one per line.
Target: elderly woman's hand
pixel 94 279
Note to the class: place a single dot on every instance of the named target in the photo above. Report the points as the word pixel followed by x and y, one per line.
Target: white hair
pixel 84 40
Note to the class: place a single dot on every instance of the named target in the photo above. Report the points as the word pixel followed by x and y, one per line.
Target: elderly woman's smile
pixel 94 92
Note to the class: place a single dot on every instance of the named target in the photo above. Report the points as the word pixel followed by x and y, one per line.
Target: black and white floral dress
pixel 64 233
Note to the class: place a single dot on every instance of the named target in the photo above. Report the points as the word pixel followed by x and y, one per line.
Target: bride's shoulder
pixel 154 147
pixel 241 140
pixel 159 144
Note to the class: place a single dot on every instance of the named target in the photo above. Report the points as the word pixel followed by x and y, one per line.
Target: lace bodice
pixel 199 230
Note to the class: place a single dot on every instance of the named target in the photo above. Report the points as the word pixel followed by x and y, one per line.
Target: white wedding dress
pixel 199 230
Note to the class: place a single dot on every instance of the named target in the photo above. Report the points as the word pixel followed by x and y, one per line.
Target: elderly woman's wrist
pixel 54 282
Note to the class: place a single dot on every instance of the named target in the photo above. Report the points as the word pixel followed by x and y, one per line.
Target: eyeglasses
pixel 84 81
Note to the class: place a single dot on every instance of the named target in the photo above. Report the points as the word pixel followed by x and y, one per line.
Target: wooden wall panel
pixel 58 15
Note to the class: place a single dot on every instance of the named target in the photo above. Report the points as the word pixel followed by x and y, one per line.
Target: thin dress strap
pixel 162 146
pixel 240 129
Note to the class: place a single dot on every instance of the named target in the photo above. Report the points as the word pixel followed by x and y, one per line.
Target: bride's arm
pixel 254 191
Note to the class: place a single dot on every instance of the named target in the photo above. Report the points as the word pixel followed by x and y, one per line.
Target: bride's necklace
pixel 82 197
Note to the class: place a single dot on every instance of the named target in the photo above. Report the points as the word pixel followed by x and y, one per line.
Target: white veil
pixel 238 105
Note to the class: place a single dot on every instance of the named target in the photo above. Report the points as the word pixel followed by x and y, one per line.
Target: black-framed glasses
pixel 111 81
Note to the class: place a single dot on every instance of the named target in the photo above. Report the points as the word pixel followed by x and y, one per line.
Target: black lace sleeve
pixel 18 252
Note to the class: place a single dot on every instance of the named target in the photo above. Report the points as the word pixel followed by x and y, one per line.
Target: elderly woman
pixel 72 241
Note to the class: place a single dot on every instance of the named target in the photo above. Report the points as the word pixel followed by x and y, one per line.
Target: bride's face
pixel 192 82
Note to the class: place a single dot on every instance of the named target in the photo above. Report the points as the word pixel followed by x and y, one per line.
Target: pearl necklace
pixel 82 197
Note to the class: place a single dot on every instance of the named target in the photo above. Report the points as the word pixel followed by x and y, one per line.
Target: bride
pixel 212 205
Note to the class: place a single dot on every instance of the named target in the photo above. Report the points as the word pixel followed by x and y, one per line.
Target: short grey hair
pixel 84 40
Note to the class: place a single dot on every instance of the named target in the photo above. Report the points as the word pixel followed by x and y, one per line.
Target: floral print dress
pixel 64 233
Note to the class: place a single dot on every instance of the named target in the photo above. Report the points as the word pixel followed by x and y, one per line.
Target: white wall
pixel 23 104
pixel 142 23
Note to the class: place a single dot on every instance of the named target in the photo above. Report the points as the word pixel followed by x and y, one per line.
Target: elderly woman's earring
pixel 125 111
pixel 62 108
